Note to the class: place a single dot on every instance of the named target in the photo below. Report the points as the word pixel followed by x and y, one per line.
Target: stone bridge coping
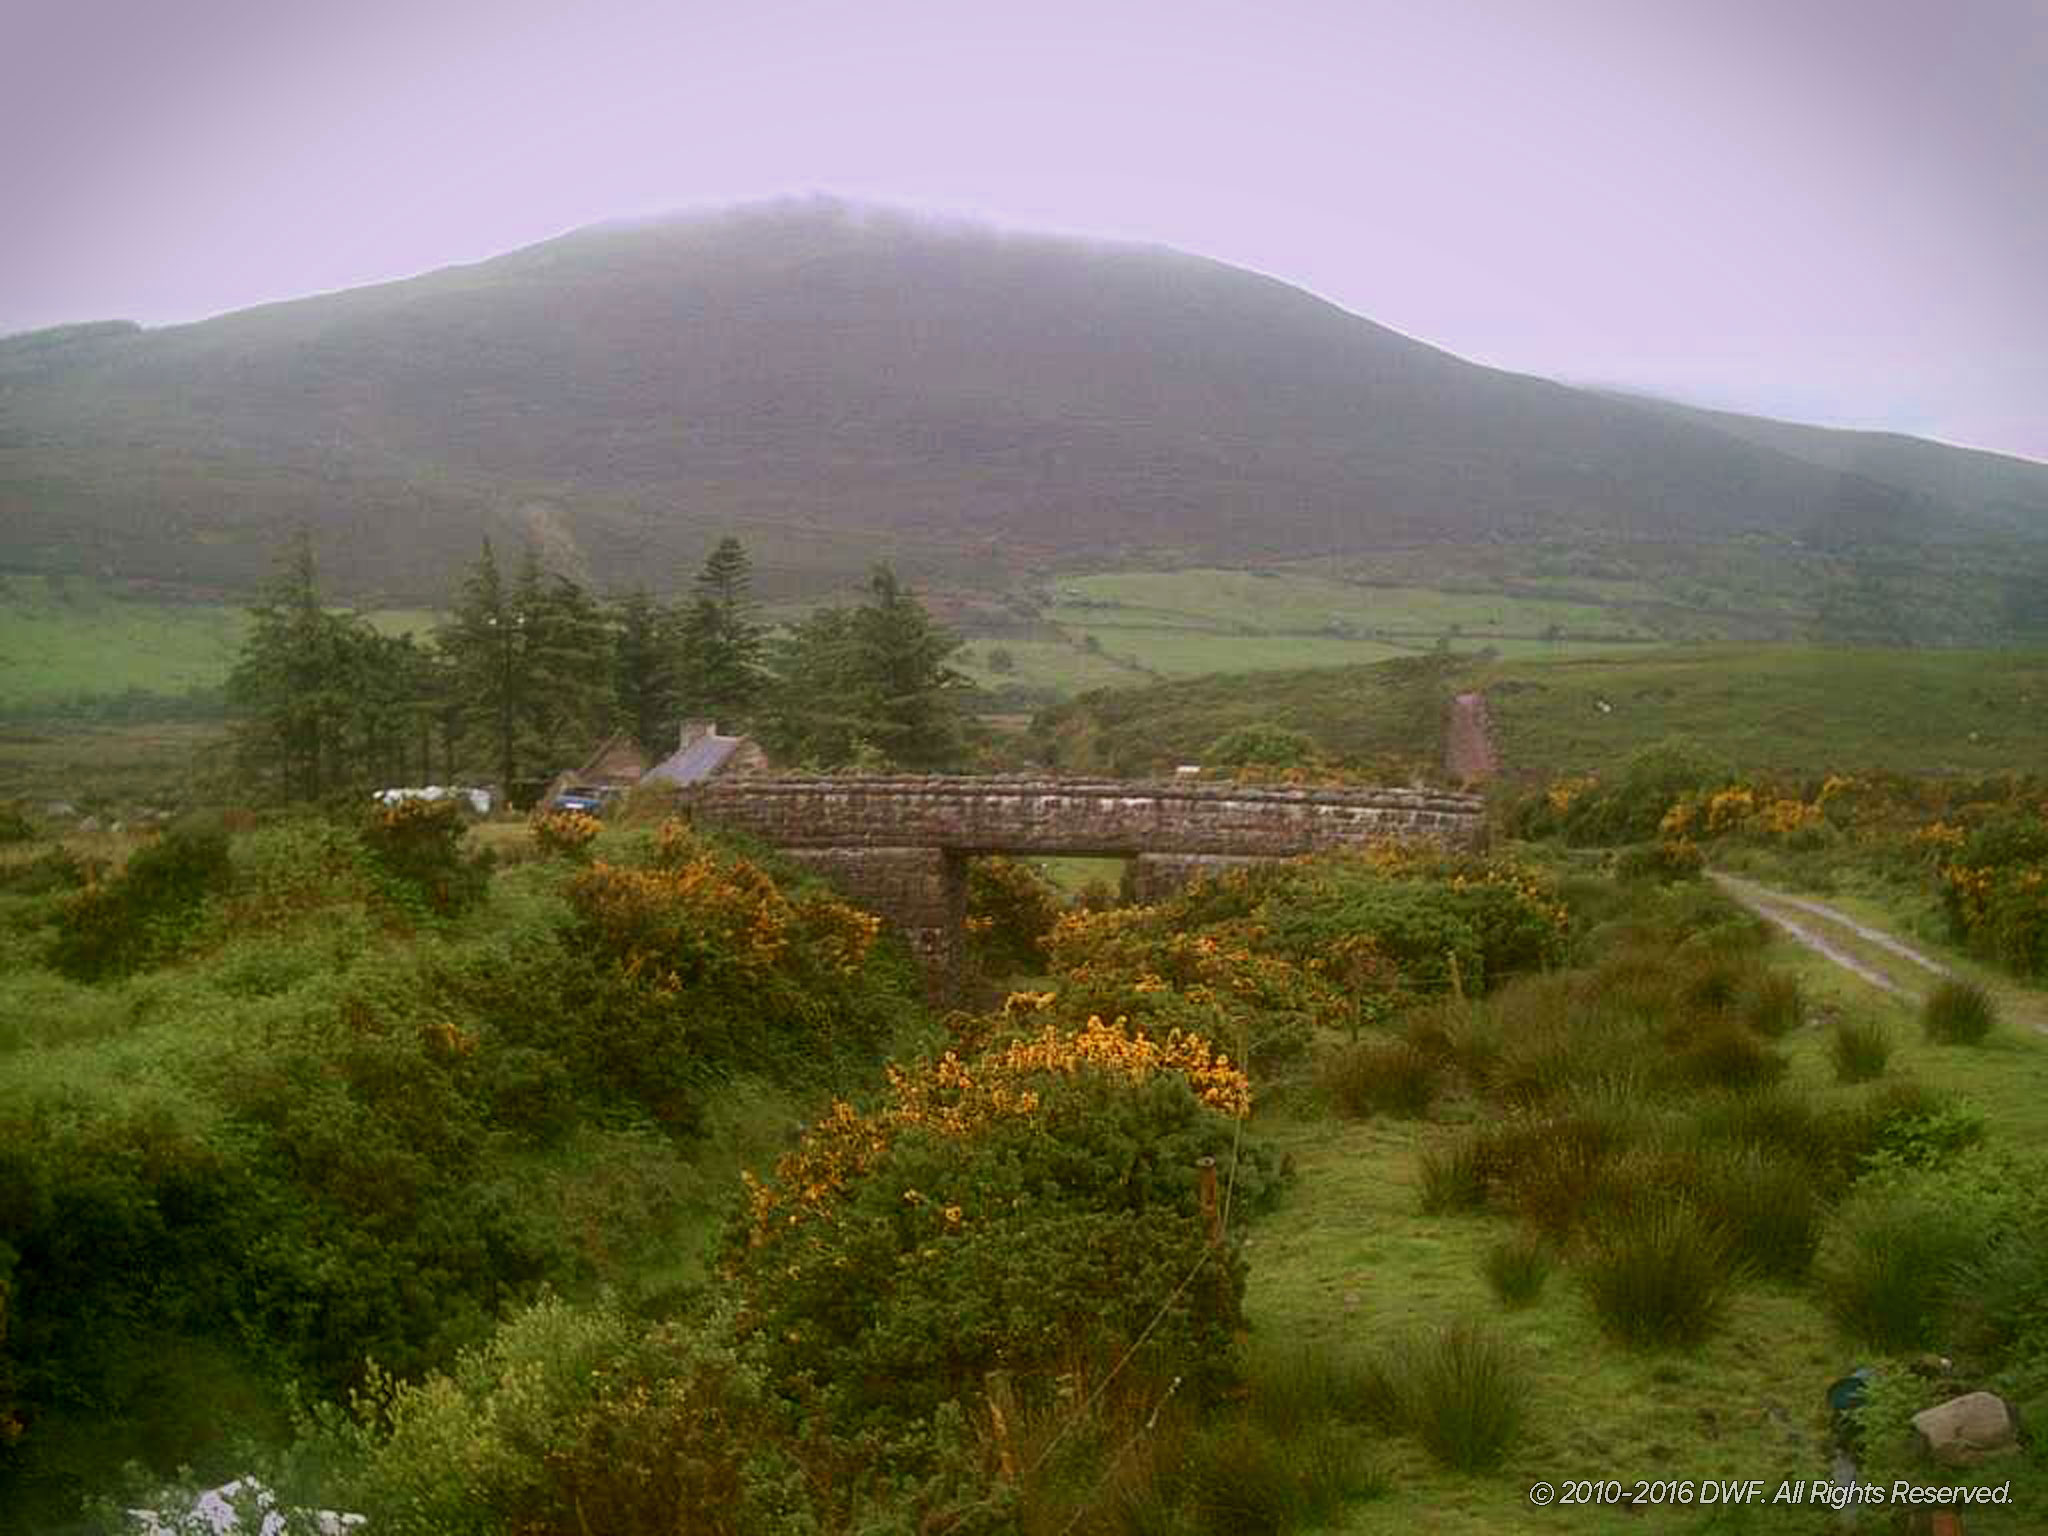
pixel 960 786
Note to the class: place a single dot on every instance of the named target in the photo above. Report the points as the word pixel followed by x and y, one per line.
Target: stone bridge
pixel 899 845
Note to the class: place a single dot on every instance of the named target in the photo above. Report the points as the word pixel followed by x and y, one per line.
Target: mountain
pixel 838 384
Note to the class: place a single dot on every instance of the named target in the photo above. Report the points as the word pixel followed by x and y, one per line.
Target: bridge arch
pixel 899 844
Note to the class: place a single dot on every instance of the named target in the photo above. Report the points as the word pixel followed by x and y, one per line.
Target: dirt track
pixel 1810 928
pixel 1468 740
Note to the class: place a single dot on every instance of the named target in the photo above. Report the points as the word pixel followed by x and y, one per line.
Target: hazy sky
pixel 1835 210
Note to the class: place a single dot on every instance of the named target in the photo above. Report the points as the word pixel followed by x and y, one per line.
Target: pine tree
pixel 899 656
pixel 867 680
pixel 722 644
pixel 486 646
pixel 286 687
pixel 644 648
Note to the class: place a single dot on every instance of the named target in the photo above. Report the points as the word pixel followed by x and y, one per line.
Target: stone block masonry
pixel 899 845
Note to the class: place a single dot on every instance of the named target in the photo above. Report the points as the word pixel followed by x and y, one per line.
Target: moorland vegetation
pixel 625 1182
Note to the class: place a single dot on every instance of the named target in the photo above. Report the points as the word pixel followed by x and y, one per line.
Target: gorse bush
pixel 564 834
pixel 417 845
pixel 1011 910
pixel 1958 1013
pixel 1026 1209
pixel 1860 1049
pixel 1659 1274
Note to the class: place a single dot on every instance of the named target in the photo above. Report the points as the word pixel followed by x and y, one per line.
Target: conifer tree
pixel 722 643
pixel 644 673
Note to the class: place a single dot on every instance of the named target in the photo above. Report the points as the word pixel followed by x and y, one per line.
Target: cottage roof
pixel 699 760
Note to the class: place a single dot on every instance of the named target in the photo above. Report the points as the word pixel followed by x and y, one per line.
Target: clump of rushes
pixel 1958 1013
pixel 1772 1004
pixel 1466 1395
pixel 1516 1268
pixel 1660 1275
pixel 1379 1074
pixel 1454 1174
pixel 1860 1050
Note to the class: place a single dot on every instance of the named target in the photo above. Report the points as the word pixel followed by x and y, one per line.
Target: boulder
pixel 1967 1429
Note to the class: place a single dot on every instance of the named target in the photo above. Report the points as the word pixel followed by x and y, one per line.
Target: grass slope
pixel 1771 709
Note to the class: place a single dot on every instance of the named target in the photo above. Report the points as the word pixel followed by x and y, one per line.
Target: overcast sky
pixel 1834 210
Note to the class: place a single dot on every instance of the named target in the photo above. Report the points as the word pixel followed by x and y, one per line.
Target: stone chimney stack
pixel 695 731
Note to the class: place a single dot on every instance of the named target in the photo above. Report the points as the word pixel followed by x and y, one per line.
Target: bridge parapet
pixel 899 844
pixel 1081 816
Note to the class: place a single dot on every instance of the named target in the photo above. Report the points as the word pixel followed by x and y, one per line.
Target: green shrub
pixel 1860 1049
pixel 1958 1013
pixel 52 870
pixel 1466 1395
pixel 15 827
pixel 146 913
pixel 1659 1275
pixel 1887 1267
pixel 1380 1074
pixel 1262 746
pixel 1516 1268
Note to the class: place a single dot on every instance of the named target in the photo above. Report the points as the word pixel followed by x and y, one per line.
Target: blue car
pixel 577 797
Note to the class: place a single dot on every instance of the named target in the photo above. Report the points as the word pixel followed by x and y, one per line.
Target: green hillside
pixel 1776 709
pixel 835 383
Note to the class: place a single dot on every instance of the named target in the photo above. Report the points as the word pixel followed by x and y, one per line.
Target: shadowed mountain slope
pixel 837 384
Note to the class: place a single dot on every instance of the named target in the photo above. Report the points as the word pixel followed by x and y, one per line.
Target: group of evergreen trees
pixel 532 669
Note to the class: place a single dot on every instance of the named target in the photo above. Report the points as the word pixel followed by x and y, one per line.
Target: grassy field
pixel 1297 602
pixel 63 641
pixel 1765 709
pixel 114 767
pixel 1353 1257
pixel 1777 709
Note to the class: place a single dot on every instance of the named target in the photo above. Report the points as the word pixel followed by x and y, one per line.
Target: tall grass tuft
pixel 1958 1013
pixel 1860 1050
pixel 1239 1478
pixel 1889 1265
pixel 1455 1174
pixel 1379 1074
pixel 1517 1267
pixel 1771 1003
pixel 1660 1274
pixel 1766 1206
pixel 1466 1395
pixel 1292 1385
